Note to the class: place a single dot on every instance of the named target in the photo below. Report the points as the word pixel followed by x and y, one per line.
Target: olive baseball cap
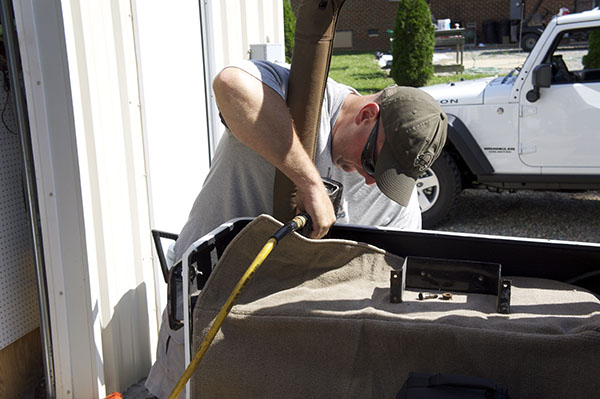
pixel 415 132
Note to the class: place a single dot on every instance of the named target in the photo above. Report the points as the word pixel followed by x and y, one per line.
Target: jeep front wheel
pixel 438 188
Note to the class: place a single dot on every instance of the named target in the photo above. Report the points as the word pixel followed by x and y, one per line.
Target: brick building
pixel 363 24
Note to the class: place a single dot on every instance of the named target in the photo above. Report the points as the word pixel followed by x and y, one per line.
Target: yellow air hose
pixel 297 223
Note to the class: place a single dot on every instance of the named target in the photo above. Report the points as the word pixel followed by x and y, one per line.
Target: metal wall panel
pixel 246 22
pixel 231 27
pixel 174 113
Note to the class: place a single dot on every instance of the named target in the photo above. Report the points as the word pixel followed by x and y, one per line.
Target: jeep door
pixel 560 131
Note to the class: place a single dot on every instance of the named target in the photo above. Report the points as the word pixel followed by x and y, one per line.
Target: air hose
pixel 295 224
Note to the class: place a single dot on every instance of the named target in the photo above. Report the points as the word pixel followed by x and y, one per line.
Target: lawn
pixel 362 72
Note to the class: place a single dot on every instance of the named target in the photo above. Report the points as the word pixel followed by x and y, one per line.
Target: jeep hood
pixel 467 92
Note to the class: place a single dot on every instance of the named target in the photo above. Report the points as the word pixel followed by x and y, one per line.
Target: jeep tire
pixel 438 189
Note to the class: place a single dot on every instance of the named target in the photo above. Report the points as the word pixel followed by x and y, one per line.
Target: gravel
pixel 531 214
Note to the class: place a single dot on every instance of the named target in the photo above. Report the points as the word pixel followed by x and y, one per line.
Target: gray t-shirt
pixel 240 182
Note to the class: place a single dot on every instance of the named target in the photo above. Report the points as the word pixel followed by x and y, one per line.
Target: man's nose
pixel 369 180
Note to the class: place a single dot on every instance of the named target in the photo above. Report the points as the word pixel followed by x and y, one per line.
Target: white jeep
pixel 537 128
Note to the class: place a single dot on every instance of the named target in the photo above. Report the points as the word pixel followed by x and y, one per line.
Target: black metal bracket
pixel 397 284
pixel 452 275
pixel 504 296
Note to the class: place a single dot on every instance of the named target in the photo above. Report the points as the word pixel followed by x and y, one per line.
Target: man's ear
pixel 367 113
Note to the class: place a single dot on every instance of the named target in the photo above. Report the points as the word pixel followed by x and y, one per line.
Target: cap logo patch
pixel 424 161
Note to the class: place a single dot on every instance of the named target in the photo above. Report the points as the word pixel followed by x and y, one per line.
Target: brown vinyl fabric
pixel 316 322
pixel 313 44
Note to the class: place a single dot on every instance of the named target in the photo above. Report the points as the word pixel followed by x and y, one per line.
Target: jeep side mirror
pixel 540 77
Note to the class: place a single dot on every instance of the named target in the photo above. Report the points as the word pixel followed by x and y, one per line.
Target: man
pixel 387 138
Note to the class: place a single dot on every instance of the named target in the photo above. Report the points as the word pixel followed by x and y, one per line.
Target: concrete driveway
pixel 484 60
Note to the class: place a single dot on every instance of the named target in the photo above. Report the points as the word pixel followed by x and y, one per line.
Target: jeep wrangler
pixel 537 128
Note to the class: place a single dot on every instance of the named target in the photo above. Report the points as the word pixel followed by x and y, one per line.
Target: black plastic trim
pixel 561 261
pixel 467 147
pixel 556 182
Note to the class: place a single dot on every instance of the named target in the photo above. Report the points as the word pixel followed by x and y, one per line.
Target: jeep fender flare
pixel 466 146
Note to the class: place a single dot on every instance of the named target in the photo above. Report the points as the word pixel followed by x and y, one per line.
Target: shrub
pixel 592 59
pixel 412 47
pixel 289 26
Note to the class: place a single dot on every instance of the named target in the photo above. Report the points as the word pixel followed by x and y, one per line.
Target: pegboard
pixel 19 313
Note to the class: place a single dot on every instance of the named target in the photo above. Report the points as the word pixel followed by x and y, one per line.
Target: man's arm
pixel 260 119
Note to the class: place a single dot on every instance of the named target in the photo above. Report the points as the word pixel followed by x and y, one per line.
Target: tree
pixel 412 46
pixel 592 59
pixel 289 26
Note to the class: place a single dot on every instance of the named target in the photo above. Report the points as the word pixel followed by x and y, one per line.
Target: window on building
pixel 342 39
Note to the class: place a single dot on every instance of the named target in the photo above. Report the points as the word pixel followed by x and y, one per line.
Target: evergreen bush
pixel 412 47
pixel 592 59
pixel 289 26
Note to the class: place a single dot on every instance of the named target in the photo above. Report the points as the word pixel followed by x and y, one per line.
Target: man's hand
pixel 314 200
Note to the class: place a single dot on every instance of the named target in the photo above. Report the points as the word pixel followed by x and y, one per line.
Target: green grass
pixel 362 72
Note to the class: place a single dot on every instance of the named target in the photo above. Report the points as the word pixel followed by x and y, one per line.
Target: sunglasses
pixel 368 156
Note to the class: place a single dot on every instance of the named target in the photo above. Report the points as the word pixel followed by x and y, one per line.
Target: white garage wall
pixel 103 81
pixel 233 25
pixel 174 112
